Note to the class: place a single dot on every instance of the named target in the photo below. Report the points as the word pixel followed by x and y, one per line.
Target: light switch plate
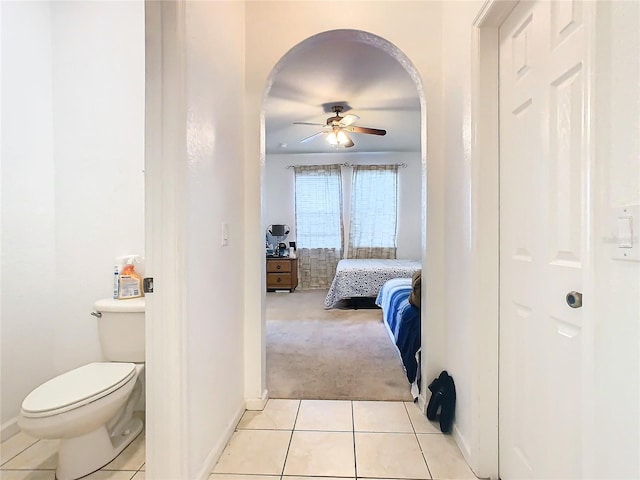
pixel 625 230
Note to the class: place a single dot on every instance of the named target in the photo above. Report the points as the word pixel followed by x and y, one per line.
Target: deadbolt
pixel 574 299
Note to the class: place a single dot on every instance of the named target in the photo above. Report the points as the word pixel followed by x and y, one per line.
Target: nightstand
pixel 282 274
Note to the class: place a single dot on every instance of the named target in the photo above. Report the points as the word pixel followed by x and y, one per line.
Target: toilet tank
pixel 121 329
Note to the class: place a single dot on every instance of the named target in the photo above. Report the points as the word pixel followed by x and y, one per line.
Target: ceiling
pixel 367 81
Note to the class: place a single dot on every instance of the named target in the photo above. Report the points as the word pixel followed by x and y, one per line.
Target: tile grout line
pixel 293 428
pixel 3 468
pixel 415 434
pixel 19 453
pixel 353 435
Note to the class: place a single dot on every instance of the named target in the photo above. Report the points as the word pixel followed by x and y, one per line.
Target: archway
pixel 300 94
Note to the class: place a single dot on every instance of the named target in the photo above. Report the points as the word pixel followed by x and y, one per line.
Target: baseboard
pixel 257 403
pixel 462 445
pixel 422 403
pixel 9 429
pixel 216 451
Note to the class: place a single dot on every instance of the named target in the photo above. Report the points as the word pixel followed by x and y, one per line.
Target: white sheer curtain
pixel 318 223
pixel 374 211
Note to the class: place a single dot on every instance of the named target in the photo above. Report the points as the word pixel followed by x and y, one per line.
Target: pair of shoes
pixel 443 399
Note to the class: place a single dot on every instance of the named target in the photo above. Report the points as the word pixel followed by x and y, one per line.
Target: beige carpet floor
pixel 336 354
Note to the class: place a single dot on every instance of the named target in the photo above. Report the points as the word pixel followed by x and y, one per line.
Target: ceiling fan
pixel 337 127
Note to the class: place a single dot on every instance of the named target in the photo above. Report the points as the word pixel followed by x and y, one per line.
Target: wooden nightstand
pixel 282 274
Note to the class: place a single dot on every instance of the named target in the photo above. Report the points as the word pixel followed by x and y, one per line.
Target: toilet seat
pixel 76 388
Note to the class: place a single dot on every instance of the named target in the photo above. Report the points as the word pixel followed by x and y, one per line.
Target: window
pixel 374 192
pixel 319 207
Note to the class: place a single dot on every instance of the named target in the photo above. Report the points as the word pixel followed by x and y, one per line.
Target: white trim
pixel 215 453
pixel 493 13
pixel 480 448
pixel 254 274
pixel 461 441
pixel 165 155
pixel 422 401
pixel 589 431
pixel 9 429
pixel 258 403
pixel 255 365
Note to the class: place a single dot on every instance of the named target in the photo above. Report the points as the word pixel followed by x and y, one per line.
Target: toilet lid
pixel 78 387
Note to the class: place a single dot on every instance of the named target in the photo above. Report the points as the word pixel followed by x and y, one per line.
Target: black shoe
pixel 434 405
pixel 443 400
pixel 448 404
pixel 438 382
pixel 436 387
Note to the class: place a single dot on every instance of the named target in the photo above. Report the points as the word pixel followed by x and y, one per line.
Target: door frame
pixel 482 455
pixel 378 40
pixel 165 326
pixel 486 205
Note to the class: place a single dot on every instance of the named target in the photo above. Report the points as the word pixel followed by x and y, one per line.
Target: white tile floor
pixel 290 440
pixel 26 458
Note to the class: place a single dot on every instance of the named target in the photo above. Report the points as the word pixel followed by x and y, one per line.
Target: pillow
pixel 416 281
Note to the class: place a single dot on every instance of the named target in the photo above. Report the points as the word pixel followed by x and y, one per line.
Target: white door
pixel 542 248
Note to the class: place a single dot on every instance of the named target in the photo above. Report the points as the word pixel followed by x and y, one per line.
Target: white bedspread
pixel 364 277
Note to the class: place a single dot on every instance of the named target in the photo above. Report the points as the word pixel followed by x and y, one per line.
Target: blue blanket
pixel 403 320
pixel 390 295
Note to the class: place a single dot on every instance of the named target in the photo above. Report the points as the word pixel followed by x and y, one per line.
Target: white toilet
pixel 90 409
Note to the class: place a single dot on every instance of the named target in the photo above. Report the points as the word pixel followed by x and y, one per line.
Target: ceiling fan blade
pixel 348 119
pixel 371 131
pixel 309 123
pixel 311 137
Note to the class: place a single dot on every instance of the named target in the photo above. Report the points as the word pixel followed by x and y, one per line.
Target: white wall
pixel 28 204
pixel 614 446
pixel 214 176
pixel 72 191
pixel 461 318
pixel 194 183
pixel 98 109
pixel 279 192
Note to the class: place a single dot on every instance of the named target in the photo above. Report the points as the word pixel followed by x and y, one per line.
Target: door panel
pixel 542 173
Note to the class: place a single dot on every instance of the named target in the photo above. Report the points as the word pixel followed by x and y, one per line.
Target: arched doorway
pixel 362 72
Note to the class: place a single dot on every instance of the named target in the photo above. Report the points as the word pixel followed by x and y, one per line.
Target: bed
pixel 358 278
pixel 402 320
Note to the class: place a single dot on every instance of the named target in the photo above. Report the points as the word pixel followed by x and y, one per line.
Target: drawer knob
pixel 278 267
pixel 279 279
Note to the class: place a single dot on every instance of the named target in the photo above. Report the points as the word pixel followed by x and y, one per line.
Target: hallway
pixel 288 440
pixel 340 438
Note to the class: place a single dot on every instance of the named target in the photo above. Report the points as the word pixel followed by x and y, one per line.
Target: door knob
pixel 574 299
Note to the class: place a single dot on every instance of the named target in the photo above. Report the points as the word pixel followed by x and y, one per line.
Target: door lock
pixel 574 299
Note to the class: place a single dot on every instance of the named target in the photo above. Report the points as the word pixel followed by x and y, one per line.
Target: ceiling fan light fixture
pixel 342 138
pixel 332 138
pixel 338 138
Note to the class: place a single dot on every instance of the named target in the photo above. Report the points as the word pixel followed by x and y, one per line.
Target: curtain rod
pixel 347 165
